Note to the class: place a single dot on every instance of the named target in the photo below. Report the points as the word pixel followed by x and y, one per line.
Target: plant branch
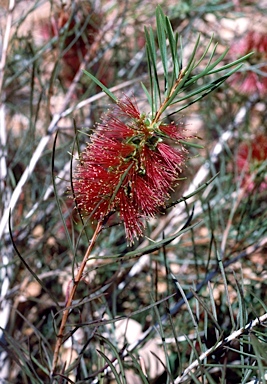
pixel 165 102
pixel 67 309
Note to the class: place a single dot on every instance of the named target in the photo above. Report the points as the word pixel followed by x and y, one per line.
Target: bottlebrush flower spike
pixel 129 167
pixel 76 46
pixel 250 157
pixel 250 82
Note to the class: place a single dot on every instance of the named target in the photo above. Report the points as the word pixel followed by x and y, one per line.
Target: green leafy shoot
pixel 176 78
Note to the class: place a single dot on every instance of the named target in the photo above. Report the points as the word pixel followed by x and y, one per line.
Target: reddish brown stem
pixel 66 311
pixel 162 107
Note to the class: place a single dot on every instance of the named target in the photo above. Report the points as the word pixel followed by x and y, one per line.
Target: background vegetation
pixel 191 310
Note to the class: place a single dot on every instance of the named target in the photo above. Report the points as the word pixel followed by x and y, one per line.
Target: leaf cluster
pixel 182 81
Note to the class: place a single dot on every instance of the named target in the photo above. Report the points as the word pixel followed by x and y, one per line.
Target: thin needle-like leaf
pixel 111 366
pixel 122 379
pixel 173 48
pixel 160 18
pixel 102 86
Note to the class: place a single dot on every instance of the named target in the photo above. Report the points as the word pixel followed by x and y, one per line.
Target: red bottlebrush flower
pixel 83 28
pixel 251 82
pixel 128 167
pixel 250 157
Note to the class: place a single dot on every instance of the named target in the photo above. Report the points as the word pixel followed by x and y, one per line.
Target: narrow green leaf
pixel 260 352
pixel 160 19
pixel 173 47
pixel 212 54
pixel 138 368
pixel 207 70
pixel 102 86
pixel 194 378
pixel 193 145
pixel 162 335
pixel 226 289
pixel 206 310
pixel 40 366
pixel 209 378
pixel 242 312
pixel 213 308
pixel 230 65
pixel 151 248
pixel 184 198
pixel 257 298
pixel 192 57
pixel 198 91
pixel 42 338
pixel 147 95
pixel 180 58
pixel 111 366
pixel 180 290
pixel 204 53
pixel 215 85
pixel 154 65
pixel 216 62
pixel 153 104
pixel 116 354
pixel 21 356
pixel 175 332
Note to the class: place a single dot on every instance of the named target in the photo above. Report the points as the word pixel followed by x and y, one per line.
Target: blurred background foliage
pixel 187 295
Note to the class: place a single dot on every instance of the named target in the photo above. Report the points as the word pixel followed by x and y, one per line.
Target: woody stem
pixel 67 309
